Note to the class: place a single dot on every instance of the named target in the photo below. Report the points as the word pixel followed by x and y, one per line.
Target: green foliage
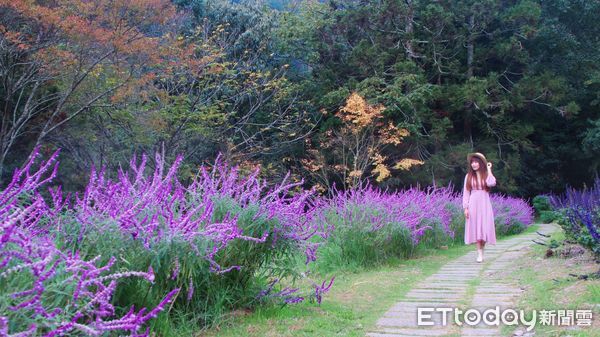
pixel 276 71
pixel 591 143
pixel 436 236
pixel 577 232
pixel 514 228
pixel 554 243
pixel 541 203
pixel 205 296
pixel 356 245
pixel 544 209
pixel 548 216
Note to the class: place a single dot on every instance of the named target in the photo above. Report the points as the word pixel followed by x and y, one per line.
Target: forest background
pixel 395 92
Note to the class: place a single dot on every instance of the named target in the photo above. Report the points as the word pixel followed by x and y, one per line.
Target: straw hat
pixel 478 155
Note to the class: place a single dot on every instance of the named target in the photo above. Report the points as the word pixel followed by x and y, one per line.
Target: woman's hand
pixel 466 213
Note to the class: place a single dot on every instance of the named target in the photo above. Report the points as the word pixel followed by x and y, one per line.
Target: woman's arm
pixel 466 194
pixel 490 180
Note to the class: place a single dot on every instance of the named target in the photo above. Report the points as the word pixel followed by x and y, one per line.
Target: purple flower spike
pixel 27 249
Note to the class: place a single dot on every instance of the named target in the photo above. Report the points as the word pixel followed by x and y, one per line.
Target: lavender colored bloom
pixel 509 211
pixel 26 249
pixel 157 207
pixel 582 208
pixel 373 209
pixel 175 271
pixel 151 207
pixel 293 299
pixel 190 290
pixel 265 292
pixel 322 289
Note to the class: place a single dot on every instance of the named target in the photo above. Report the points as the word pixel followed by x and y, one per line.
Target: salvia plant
pixel 141 239
pixel 511 215
pixel 45 291
pixel 366 225
pixel 217 238
pixel 414 209
pixel 581 209
pixel 214 241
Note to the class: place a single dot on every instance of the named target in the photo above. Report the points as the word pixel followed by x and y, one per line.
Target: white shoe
pixel 480 258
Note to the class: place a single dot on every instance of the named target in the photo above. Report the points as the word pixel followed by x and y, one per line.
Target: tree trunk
pixel 409 29
pixel 470 46
pixel 470 50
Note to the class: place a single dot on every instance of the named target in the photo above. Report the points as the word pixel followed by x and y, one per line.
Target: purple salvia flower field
pixel 142 239
pixel 367 225
pixel 581 210
pixel 59 291
pixel 510 212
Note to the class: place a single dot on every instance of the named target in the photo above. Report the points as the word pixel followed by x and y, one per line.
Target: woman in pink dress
pixel 479 215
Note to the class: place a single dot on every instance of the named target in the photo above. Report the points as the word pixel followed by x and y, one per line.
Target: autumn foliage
pixel 363 147
pixel 68 58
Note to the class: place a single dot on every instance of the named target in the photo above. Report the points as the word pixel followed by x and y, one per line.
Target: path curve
pixel 462 283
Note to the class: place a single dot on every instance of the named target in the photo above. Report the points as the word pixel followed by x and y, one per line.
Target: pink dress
pixel 480 224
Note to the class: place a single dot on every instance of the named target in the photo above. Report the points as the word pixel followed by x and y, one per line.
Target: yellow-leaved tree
pixel 365 146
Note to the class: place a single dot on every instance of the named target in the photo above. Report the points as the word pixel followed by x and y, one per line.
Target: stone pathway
pixel 462 283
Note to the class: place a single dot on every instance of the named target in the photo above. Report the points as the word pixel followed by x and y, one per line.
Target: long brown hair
pixel 471 174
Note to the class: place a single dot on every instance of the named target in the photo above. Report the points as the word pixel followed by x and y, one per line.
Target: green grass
pixel 548 290
pixel 359 298
pixel 352 307
pixel 594 293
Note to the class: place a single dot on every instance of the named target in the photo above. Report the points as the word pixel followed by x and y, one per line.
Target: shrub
pixel 543 208
pixel 47 291
pixel 367 226
pixel 541 203
pixel 221 239
pixel 578 214
pixel 222 242
pixel 511 215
